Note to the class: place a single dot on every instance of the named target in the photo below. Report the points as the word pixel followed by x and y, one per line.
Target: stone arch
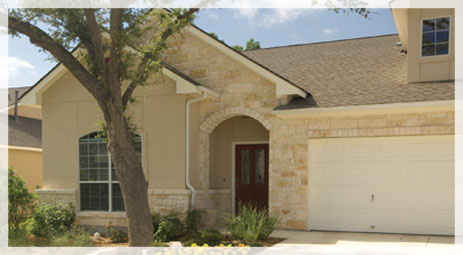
pixel 218 117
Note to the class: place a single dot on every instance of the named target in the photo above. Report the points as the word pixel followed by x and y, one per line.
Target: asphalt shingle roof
pixel 25 132
pixel 359 71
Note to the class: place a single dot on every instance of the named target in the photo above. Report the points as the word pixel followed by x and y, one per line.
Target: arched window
pixel 99 187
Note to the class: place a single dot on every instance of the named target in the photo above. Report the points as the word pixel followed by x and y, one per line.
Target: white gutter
pixel 187 145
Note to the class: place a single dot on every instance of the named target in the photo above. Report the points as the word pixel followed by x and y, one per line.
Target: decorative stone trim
pixel 169 192
pixel 218 117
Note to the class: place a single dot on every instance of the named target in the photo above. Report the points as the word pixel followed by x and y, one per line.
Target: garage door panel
pixel 382 184
pixel 331 219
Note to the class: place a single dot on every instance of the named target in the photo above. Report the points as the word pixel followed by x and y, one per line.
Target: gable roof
pixel 360 71
pixel 26 132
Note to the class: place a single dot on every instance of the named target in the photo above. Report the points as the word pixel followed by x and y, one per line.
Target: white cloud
pixel 269 17
pixel 213 16
pixel 246 13
pixel 330 31
pixel 15 66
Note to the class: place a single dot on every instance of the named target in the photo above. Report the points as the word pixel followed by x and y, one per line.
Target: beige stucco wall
pixel 69 113
pixel 434 68
pixel 237 129
pixel 28 165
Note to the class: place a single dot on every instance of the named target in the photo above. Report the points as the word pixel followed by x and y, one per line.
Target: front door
pixel 251 175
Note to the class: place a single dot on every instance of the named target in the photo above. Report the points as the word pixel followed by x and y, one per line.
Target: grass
pixel 76 237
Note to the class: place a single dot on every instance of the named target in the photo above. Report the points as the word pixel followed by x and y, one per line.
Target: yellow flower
pixel 194 245
pixel 241 245
pixel 205 245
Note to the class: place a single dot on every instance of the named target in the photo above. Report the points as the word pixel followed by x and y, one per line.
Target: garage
pixel 382 184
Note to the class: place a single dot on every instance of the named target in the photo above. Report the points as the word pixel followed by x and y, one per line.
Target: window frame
pixel 109 182
pixel 449 41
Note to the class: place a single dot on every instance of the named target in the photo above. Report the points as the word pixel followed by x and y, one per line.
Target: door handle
pixel 372 198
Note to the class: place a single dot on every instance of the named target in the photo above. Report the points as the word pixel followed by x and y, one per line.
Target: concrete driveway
pixel 339 243
pixel 319 238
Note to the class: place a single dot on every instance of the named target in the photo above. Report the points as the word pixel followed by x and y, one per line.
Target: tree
pixel 252 45
pixel 106 70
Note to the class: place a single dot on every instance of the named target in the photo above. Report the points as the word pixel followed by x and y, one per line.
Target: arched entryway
pixel 239 160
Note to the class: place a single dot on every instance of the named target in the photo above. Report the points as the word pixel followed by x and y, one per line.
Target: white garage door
pixel 382 184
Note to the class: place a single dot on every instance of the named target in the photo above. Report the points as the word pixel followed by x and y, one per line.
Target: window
pixel 99 187
pixel 435 39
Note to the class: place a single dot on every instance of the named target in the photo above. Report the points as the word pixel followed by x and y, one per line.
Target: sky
pixel 271 27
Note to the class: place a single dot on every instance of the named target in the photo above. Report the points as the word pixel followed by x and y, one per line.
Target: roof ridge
pixel 322 42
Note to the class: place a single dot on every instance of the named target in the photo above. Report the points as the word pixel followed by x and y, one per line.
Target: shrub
pixel 20 201
pixel 52 220
pixel 75 237
pixel 192 220
pixel 18 237
pixel 116 236
pixel 251 224
pixel 169 228
pixel 156 219
pixel 211 236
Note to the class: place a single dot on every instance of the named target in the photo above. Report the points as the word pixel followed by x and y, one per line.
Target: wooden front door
pixel 251 175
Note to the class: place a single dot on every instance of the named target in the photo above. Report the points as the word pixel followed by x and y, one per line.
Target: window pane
pixel 245 167
pixel 443 23
pixel 429 25
pixel 94 197
pixel 260 166
pixel 118 201
pixel 428 50
pixel 429 38
pixel 442 36
pixel 442 49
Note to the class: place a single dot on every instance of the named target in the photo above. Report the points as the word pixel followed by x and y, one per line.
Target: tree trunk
pixel 132 181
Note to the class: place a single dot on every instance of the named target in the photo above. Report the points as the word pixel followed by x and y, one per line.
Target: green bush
pixel 52 220
pixel 191 238
pixel 156 219
pixel 116 236
pixel 169 228
pixel 18 237
pixel 20 201
pixel 75 237
pixel 211 237
pixel 192 220
pixel 251 224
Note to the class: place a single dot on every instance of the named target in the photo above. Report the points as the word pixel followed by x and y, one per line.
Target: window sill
pixel 98 214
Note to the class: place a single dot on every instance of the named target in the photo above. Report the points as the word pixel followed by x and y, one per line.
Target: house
pixel 24 139
pixel 349 135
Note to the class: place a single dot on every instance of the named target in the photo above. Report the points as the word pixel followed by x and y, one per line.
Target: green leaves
pixel 20 201
pixel 251 224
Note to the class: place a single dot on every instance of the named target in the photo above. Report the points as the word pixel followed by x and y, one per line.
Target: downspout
pixel 187 145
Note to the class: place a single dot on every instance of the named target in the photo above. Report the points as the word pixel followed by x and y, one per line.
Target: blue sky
pixel 271 27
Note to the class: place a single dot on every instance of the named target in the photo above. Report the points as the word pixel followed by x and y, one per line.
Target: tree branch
pixel 144 62
pixel 115 51
pixel 43 40
pixel 95 46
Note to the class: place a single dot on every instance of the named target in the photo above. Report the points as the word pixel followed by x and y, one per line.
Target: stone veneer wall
pixel 64 197
pixel 289 152
pixel 215 204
